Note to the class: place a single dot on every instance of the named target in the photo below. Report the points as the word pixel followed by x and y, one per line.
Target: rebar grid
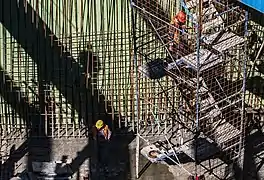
pixel 46 91
pixel 58 113
pixel 103 87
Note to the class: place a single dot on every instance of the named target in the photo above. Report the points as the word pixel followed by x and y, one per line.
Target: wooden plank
pixel 207 59
pixel 226 41
pixel 212 24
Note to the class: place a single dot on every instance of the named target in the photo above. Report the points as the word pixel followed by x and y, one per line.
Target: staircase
pixel 220 132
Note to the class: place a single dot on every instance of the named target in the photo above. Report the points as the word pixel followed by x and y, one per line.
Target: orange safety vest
pixel 104 132
pixel 175 32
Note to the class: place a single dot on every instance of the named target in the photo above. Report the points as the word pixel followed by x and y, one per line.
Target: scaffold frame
pixel 207 58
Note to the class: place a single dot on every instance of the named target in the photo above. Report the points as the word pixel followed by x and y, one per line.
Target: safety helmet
pixel 181 17
pixel 99 124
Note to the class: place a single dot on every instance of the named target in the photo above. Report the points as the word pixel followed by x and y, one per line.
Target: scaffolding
pixel 196 107
pixel 191 109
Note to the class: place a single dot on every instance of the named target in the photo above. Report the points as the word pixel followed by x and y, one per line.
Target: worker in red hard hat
pixel 178 23
pixel 180 17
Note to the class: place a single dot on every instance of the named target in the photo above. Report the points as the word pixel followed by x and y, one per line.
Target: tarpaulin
pixel 255 4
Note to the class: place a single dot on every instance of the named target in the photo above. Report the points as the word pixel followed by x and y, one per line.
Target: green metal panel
pixel 103 24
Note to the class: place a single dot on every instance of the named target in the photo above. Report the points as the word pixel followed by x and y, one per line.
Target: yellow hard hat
pixel 99 124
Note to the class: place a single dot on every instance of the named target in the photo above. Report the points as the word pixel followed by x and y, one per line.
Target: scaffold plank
pixel 206 57
pixel 227 41
pixel 224 132
pixel 207 101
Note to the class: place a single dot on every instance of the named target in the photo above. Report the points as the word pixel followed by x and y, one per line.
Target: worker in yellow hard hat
pixel 102 131
pixel 178 24
pixel 102 135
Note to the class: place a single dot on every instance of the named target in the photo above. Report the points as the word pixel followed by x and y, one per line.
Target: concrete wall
pixel 46 150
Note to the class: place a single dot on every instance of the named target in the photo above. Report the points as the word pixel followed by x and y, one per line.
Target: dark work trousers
pixel 103 151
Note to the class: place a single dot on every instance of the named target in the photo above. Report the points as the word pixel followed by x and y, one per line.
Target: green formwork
pixel 103 24
pixel 106 25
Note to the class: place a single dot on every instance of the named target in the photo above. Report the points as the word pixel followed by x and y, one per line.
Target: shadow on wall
pixel 50 56
pixel 112 161
pixel 32 119
pixel 254 139
pixel 255 85
pixel 252 160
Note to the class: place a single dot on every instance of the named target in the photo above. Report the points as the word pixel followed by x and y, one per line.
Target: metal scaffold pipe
pixel 198 40
pixel 137 92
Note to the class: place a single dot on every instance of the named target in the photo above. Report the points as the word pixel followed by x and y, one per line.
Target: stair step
pixel 207 58
pixel 223 41
pixel 225 134
pixel 207 102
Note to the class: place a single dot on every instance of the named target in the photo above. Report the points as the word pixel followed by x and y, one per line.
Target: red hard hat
pixel 181 17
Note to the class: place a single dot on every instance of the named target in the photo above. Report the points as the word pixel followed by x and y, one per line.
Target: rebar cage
pixel 62 67
pixel 196 88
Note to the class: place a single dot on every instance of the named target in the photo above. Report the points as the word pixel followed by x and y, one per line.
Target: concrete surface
pixel 116 161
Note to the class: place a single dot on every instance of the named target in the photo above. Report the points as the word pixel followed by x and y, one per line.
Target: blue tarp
pixel 255 4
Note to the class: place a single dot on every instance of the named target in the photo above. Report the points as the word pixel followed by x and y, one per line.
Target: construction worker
pixel 101 131
pixel 102 135
pixel 178 23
